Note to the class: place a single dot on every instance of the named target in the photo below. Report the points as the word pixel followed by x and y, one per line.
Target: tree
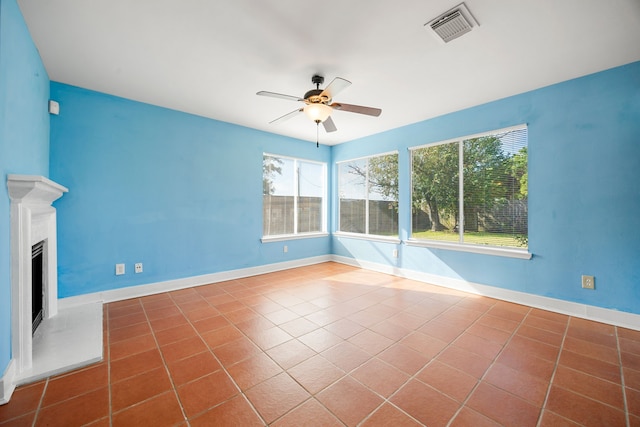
pixel 270 167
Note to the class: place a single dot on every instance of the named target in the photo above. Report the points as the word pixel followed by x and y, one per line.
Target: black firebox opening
pixel 37 285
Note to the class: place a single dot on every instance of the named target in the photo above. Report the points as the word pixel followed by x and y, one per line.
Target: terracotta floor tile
pixel 371 342
pixel 598 368
pixel 128 332
pixel 589 386
pixel 309 414
pixel 503 407
pixel 76 383
pixel 168 322
pixel 389 415
pixel 317 359
pixel 210 323
pixel 298 327
pixel 254 370
pixel 136 364
pixel 425 404
pixel 163 409
pixel 424 344
pixel 443 331
pixel 175 334
pixel 404 358
pixel 236 351
pixel 519 383
pixel 346 356
pixel 547 337
pixel 583 410
pixel 526 363
pixel 470 418
pixel 281 316
pixel 132 346
pixel 234 412
pixel 139 388
pixel 594 351
pixel 290 353
pixel 380 377
pixel 21 421
pixel 269 338
pixel 122 321
pixel 206 392
pixel 79 410
pixel 450 381
pixel 470 363
pixel 320 340
pixel 222 336
pixel 505 325
pixel 25 399
pixel 349 400
pixel 183 349
pixel 315 374
pixel 193 367
pixel 276 396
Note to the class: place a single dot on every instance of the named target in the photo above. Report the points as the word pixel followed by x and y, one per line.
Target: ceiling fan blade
pixel 369 111
pixel 287 116
pixel 336 86
pixel 329 126
pixel 279 95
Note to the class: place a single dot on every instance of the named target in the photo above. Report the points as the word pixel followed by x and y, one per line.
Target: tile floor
pixel 333 345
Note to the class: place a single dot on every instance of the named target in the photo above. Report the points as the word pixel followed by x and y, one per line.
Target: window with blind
pixel 293 196
pixel 368 195
pixel 472 190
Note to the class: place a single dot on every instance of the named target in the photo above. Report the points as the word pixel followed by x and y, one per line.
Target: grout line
pixel 553 374
pixel 622 382
pixel 39 407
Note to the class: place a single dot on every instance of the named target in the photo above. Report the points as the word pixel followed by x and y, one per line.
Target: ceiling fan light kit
pixel 318 103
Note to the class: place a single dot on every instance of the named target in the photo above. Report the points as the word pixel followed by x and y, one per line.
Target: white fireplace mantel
pixel 33 220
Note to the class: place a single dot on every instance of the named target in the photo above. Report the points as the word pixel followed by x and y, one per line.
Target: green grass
pixel 476 238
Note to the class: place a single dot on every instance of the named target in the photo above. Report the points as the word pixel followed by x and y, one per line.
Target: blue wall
pixel 24 136
pixel 180 193
pixel 584 191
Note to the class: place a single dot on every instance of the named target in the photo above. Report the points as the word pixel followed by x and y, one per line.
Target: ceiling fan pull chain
pixel 317 133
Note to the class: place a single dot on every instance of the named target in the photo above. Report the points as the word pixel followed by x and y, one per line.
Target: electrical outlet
pixel 119 269
pixel 395 253
pixel 285 249
pixel 138 267
pixel 588 282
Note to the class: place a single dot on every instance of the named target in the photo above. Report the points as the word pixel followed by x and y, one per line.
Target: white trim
pixel 597 314
pixel 7 384
pixel 387 153
pixel 370 237
pixel 187 282
pixel 475 135
pixel 466 247
pixel 285 237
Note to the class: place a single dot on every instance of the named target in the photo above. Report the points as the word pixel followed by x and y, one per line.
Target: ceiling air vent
pixel 453 23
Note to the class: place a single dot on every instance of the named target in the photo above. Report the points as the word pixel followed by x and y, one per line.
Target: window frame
pixel 506 251
pixel 324 209
pixel 366 236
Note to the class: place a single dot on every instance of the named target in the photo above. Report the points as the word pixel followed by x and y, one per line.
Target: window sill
pixel 478 249
pixel 370 237
pixel 283 237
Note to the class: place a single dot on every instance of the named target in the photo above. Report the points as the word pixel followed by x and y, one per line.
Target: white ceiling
pixel 210 57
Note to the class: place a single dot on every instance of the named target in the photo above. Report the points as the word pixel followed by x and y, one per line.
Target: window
pixel 293 196
pixel 472 190
pixel 368 192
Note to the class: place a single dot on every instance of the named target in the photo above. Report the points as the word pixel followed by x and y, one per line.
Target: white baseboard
pixel 7 383
pixel 584 311
pixel 187 282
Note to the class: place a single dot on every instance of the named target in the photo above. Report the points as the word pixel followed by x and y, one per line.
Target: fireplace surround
pixel 33 220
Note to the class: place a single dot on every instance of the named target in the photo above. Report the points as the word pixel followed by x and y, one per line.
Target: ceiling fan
pixel 319 103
